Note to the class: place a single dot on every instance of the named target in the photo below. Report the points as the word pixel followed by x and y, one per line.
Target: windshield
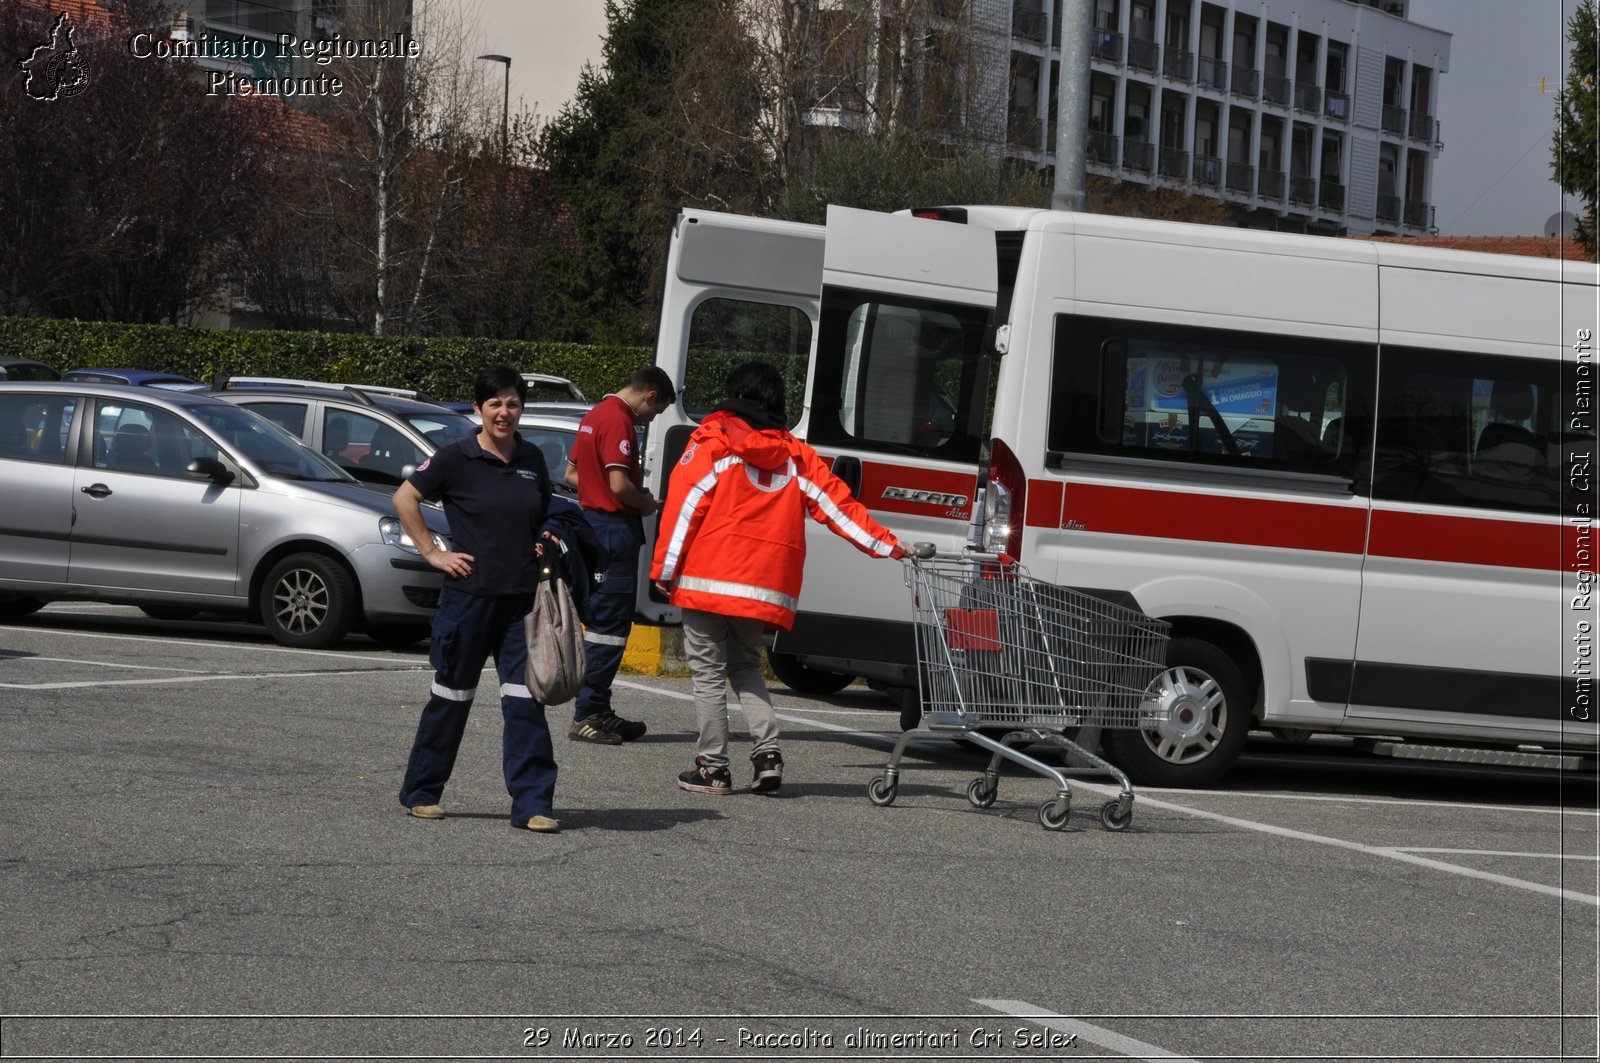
pixel 442 427
pixel 265 445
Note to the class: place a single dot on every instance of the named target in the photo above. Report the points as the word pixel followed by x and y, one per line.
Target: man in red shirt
pixel 606 470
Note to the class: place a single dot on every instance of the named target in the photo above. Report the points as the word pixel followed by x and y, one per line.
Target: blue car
pixel 139 378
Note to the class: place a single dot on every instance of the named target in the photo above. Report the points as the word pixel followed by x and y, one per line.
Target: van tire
pixel 12 606
pixel 1205 696
pixel 803 679
pixel 308 601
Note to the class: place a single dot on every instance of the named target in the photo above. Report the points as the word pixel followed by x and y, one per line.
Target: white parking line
pixel 210 678
pixel 1276 796
pixel 99 664
pixel 1081 1031
pixel 62 632
pixel 1489 852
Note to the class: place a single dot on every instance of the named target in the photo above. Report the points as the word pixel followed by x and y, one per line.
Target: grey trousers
pixel 722 650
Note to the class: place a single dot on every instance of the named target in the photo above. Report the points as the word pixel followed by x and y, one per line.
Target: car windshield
pixel 442 427
pixel 265 445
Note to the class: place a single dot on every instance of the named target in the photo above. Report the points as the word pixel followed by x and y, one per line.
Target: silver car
pixel 178 502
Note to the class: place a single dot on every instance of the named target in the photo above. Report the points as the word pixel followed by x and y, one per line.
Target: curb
pixel 654 650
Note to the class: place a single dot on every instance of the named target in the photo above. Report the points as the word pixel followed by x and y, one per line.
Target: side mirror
pixel 211 469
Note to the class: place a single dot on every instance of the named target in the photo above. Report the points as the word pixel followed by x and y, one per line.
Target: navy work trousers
pixel 611 603
pixel 467 630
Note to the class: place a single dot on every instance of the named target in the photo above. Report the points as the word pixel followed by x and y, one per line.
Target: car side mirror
pixel 211 469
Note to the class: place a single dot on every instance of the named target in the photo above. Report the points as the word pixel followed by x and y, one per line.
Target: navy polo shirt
pixel 495 509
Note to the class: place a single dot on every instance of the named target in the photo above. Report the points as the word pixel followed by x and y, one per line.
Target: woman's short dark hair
pixel 760 383
pixel 494 380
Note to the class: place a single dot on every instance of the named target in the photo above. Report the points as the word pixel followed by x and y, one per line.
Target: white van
pixel 1353 476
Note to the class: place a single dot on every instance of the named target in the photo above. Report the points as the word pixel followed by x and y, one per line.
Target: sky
pixel 1492 177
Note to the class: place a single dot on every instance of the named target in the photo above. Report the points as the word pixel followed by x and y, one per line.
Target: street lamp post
pixel 505 106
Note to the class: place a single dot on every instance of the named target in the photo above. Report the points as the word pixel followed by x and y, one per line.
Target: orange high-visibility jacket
pixel 732 538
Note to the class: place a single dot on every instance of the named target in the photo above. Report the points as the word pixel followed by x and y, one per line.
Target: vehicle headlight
pixel 393 533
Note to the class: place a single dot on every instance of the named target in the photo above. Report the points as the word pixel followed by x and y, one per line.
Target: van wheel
pixel 19 605
pixel 169 612
pixel 1205 717
pixel 308 601
pixel 804 679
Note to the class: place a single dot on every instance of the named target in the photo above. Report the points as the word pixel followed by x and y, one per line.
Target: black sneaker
pixel 768 771
pixel 589 729
pixel 701 779
pixel 625 730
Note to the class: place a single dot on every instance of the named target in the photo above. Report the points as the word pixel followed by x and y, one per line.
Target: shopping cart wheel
pixel 982 790
pixel 880 791
pixel 1053 814
pixel 1113 816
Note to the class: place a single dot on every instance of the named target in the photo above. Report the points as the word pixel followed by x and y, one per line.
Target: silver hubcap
pixel 1193 716
pixel 300 601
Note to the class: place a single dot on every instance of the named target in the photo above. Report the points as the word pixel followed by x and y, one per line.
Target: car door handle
pixel 96 490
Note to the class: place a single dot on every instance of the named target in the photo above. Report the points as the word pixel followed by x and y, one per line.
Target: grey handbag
pixel 555 640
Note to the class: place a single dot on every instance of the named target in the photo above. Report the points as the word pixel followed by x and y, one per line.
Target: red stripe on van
pixel 1044 504
pixel 1208 518
pixel 877 477
pixel 1469 540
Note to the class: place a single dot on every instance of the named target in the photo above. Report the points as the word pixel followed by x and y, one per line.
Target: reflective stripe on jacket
pixel 732 538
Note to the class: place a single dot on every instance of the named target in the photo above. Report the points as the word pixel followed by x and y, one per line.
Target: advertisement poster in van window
pixel 1243 389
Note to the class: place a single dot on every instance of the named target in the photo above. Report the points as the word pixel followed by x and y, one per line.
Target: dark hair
pixel 759 383
pixel 654 378
pixel 494 380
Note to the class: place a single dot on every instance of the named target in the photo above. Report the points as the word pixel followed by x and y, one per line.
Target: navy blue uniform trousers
pixel 610 606
pixel 467 630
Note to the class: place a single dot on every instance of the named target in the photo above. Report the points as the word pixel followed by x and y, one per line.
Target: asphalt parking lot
pixel 204 857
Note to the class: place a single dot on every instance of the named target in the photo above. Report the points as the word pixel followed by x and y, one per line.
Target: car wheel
pixel 1205 716
pixel 398 636
pixel 308 601
pixel 169 612
pixel 19 605
pixel 804 679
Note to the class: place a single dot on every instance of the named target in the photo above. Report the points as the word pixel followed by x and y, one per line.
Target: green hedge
pixel 442 366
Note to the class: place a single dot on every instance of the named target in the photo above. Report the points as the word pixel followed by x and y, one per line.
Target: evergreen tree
pixel 1575 155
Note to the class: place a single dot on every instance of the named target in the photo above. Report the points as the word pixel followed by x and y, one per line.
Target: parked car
pixel 26 369
pixel 553 428
pixel 179 502
pixel 542 388
pixel 377 435
pixel 140 378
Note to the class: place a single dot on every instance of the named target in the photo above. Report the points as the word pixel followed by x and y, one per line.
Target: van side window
pixel 903 376
pixel 726 333
pixel 1210 396
pixel 1459 429
pixel 34 427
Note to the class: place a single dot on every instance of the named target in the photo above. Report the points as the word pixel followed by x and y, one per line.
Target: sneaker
pixel 701 779
pixel 589 729
pixel 628 730
pixel 768 771
pixel 543 825
pixel 426 811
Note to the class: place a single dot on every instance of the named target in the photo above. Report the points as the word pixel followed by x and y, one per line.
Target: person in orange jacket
pixel 730 552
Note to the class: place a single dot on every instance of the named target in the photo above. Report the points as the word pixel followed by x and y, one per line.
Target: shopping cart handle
pixel 922 551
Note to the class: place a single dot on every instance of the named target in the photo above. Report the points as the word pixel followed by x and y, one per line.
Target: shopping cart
pixel 998 650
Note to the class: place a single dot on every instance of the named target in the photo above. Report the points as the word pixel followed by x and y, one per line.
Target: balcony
pixel 836 94
pixel 1241 176
pixel 1337 105
pixel 1143 54
pixel 1330 196
pixel 1388 208
pixel 1307 97
pixel 1270 184
pixel 1419 216
pixel 1394 119
pixel 1108 46
pixel 1138 155
pixel 1303 190
pixel 1023 131
pixel 1207 170
pixel 1213 73
pixel 1174 163
pixel 1102 148
pixel 1028 25
pixel 1246 82
pixel 1275 89
pixel 1178 64
pixel 1422 127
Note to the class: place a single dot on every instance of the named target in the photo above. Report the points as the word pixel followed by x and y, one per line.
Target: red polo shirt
pixel 606 440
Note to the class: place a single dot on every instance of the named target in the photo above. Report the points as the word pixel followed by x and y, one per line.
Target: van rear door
pixel 899 400
pixel 736 289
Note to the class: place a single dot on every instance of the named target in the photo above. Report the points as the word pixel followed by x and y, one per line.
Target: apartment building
pixel 1302 115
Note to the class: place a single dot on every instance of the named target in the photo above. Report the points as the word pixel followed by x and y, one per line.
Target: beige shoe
pixel 426 811
pixel 543 825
